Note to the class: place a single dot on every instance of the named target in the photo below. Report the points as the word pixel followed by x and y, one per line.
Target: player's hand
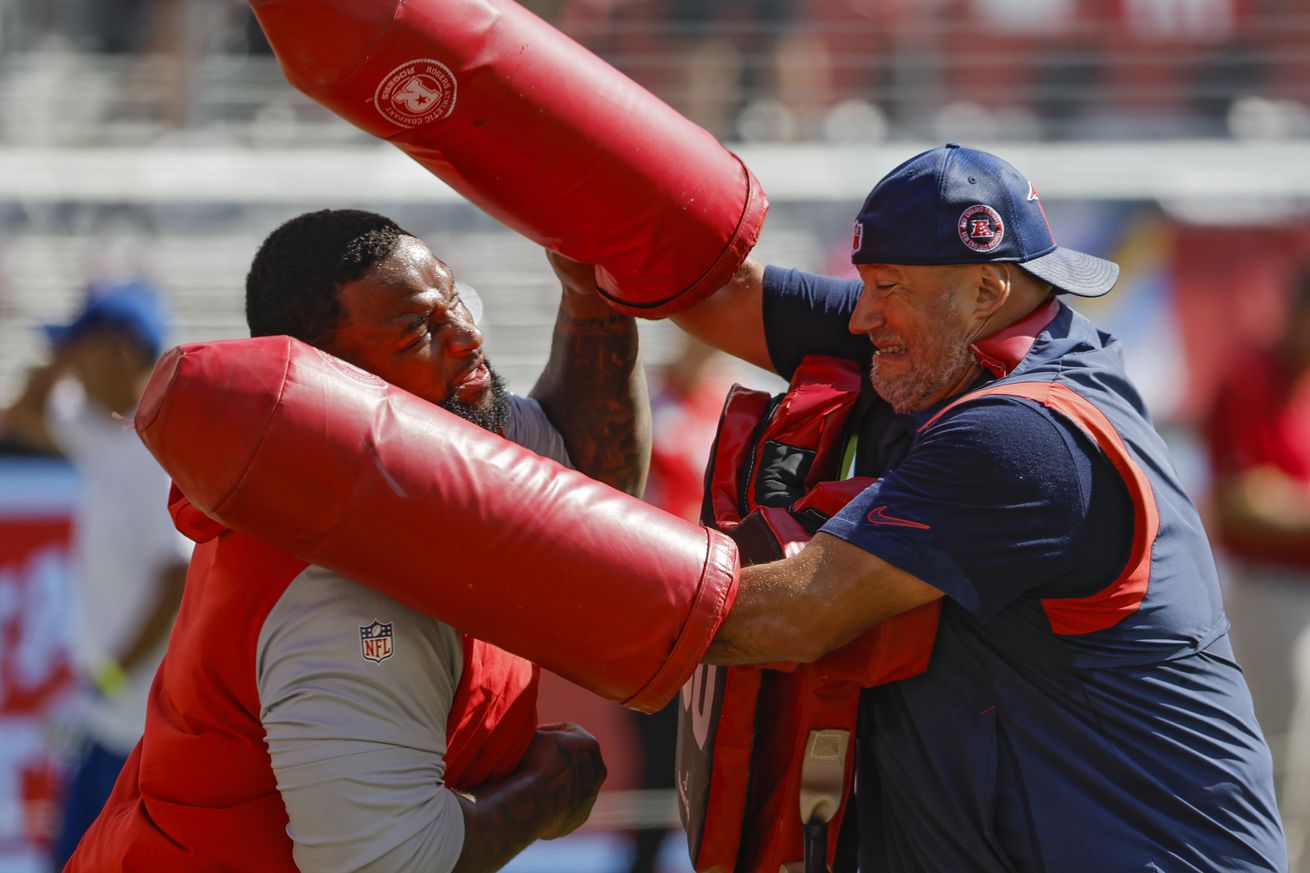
pixel 574 276
pixel 568 761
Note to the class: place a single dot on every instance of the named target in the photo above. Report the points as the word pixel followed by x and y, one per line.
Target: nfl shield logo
pixel 375 641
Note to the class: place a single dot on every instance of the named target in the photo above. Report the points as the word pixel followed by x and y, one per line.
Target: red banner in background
pixel 1233 285
pixel 37 497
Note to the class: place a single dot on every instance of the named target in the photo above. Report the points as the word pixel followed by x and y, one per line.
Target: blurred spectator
pixel 121 26
pixel 547 9
pixel 686 399
pixel 1259 436
pixel 754 72
pixel 736 69
pixel 131 563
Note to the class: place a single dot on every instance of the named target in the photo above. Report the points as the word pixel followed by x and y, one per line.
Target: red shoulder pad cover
pixel 747 818
pixel 812 415
pixel 537 131
pixel 782 708
pixel 285 443
pixel 742 412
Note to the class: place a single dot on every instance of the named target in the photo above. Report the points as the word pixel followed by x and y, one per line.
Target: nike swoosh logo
pixel 878 515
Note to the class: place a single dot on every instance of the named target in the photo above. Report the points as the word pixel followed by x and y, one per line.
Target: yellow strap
pixel 846 469
pixel 109 677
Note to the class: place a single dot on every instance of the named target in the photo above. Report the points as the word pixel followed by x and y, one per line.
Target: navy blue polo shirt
pixel 1134 747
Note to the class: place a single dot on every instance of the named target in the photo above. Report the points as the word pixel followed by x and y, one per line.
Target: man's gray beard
pixel 495 415
pixel 912 392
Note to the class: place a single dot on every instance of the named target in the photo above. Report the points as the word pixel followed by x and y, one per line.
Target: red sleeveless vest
pixel 198 792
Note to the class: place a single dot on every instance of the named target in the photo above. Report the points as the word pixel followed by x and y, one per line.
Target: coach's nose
pixel 868 314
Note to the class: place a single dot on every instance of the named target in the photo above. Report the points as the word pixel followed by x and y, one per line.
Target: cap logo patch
pixel 857 237
pixel 1032 191
pixel 981 228
pixel 375 641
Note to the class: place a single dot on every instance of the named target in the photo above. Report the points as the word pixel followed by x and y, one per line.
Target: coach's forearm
pixel 732 318
pixel 803 607
pixel 774 619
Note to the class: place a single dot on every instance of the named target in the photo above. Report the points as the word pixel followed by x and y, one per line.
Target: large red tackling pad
pixel 285 443
pixel 537 131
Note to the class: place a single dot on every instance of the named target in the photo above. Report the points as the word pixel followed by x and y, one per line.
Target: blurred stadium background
pixel 157 138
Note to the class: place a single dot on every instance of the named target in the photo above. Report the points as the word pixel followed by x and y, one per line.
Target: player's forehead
pixel 411 275
pixel 411 261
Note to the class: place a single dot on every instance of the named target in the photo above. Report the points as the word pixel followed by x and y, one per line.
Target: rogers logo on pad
pixel 416 92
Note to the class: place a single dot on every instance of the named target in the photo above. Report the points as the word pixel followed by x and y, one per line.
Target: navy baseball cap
pixel 133 308
pixel 953 205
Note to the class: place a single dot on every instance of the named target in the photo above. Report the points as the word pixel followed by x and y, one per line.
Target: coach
pixel 1082 710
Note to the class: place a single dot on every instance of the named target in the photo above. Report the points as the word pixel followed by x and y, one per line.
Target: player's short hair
pixel 293 284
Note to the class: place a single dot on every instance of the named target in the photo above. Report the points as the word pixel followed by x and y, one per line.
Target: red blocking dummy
pixel 537 131
pixel 314 456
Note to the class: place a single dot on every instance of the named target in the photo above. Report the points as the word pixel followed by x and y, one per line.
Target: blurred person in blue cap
pixel 131 561
pixel 1082 709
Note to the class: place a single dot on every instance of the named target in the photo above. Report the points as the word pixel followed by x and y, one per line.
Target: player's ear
pixel 992 288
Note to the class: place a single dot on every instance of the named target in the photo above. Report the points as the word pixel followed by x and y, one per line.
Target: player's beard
pixel 937 359
pixel 492 413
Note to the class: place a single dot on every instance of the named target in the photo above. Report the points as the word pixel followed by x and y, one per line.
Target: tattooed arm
pixel 549 796
pixel 594 388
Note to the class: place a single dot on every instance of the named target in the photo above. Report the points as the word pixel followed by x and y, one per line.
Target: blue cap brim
pixel 57 334
pixel 1074 272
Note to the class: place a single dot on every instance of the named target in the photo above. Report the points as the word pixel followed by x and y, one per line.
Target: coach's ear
pixel 992 288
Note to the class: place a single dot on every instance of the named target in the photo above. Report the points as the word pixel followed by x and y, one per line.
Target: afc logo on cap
pixel 981 228
pixel 375 641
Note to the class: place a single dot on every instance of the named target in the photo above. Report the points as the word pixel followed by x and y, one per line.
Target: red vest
pixel 765 754
pixel 198 792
